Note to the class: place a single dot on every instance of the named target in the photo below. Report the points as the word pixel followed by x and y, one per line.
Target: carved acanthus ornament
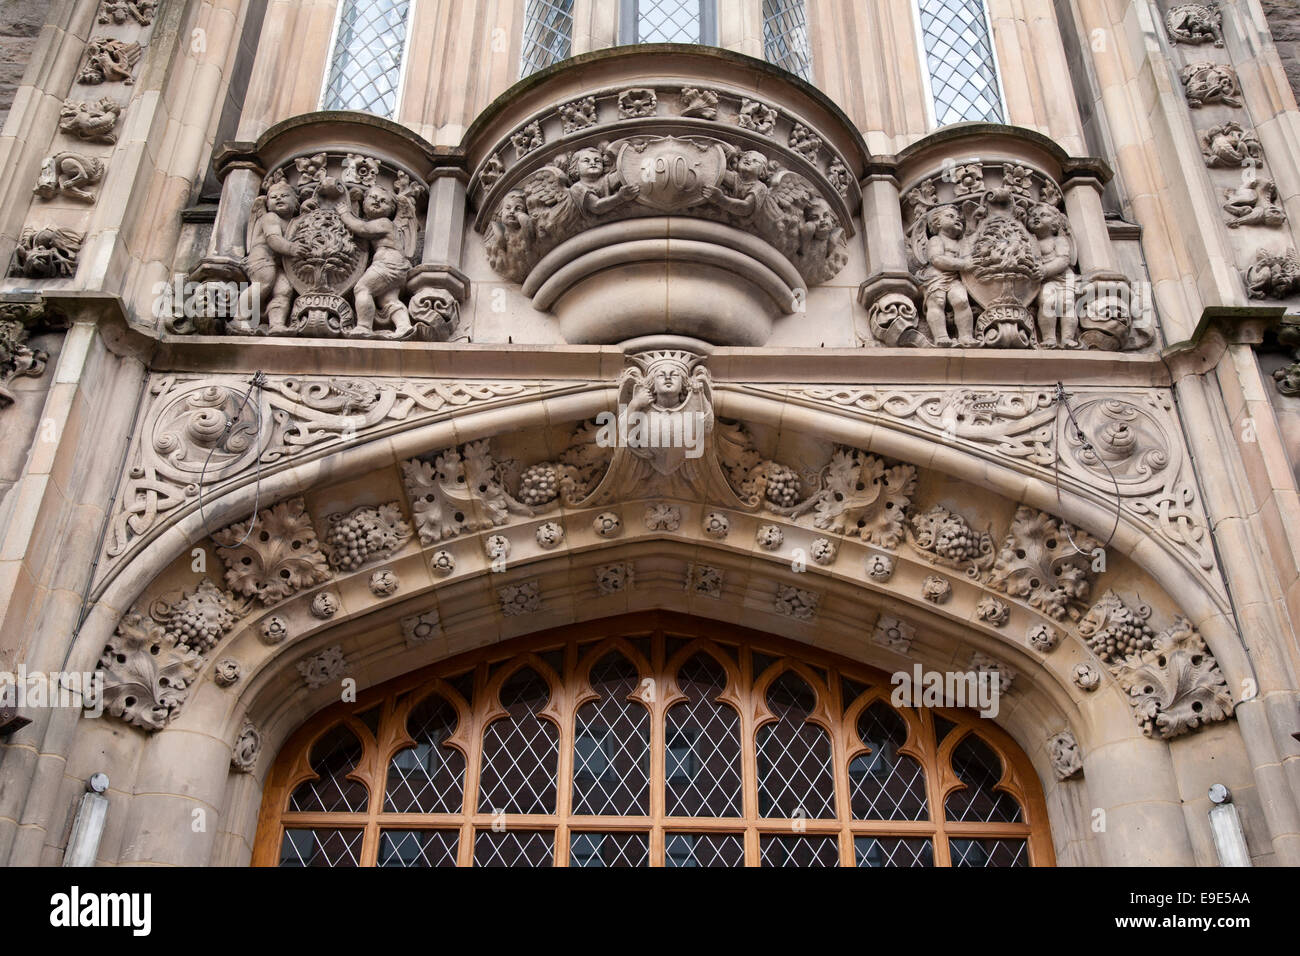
pixel 992 252
pixel 1046 562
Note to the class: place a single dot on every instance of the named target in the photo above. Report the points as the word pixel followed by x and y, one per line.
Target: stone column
pixel 241 173
pixel 1107 302
pixel 889 292
pixel 437 285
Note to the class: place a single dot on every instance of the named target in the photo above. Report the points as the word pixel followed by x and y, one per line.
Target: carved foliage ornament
pixel 1045 561
pixel 277 557
pixel 365 534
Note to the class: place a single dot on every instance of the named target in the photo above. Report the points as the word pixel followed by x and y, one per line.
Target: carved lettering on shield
pixel 672 172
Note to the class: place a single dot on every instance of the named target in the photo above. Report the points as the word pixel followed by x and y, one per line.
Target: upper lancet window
pixel 785 36
pixel 669 21
pixel 548 34
pixel 962 69
pixel 365 63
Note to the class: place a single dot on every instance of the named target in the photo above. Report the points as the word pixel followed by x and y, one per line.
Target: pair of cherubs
pixel 947 257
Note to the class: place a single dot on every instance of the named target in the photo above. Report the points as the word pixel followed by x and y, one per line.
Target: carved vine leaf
pixel 1047 562
pixel 1175 687
pixel 459 493
pixel 146 673
pixel 200 618
pixel 279 557
pixel 366 534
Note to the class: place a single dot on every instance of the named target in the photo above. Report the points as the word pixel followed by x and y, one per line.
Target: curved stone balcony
pixel 726 187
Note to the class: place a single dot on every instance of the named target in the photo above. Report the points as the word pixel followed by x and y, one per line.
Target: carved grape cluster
pixel 783 487
pixel 198 628
pixel 363 535
pixel 539 484
pixel 1122 639
pixel 956 542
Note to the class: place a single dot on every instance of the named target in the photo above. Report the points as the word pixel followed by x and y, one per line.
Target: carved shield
pixel 672 172
pixel 334 259
pixel 1004 259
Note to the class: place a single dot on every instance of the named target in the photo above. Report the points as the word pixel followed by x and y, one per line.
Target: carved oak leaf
pixel 1046 562
pixel 281 556
pixel 1177 686
pixel 146 673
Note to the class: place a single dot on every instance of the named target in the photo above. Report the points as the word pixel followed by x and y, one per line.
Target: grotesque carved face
pixel 668 383
pixel 588 164
pixel 280 199
pixel 379 203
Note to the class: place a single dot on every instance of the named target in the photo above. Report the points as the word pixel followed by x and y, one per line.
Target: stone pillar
pixel 437 285
pixel 889 292
pixel 241 174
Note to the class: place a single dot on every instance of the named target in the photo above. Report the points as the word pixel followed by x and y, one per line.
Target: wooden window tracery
pixel 653 739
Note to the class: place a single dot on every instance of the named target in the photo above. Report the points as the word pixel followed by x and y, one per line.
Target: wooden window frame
pixel 582 646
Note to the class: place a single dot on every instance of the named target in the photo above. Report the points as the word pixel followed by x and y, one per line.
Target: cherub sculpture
pixel 267 243
pixel 594 191
pixel 391 224
pixel 943 256
pixel 1056 255
pixel 744 188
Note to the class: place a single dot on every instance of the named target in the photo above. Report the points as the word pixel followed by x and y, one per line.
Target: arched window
pixel 669 21
pixel 365 62
pixel 962 68
pixel 785 36
pixel 648 740
pixel 548 34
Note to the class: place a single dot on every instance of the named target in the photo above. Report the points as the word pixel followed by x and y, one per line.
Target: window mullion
pixel 564 767
pixel 749 759
pixel 839 754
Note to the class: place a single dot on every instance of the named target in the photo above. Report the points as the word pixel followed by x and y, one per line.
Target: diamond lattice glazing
pixel 366 64
pixel 785 36
pixel 963 74
pixel 548 34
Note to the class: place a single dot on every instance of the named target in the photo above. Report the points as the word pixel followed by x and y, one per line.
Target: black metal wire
pixel 1086 445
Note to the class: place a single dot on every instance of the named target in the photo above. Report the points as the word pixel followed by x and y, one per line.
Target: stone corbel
pixel 889 293
pixel 437 285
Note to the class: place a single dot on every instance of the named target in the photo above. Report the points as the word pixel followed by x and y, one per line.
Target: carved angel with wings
pixel 392 225
pixel 666 398
pixel 267 243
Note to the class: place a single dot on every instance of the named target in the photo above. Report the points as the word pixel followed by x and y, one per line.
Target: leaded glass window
pixel 785 36
pixel 548 34
pixel 669 21
pixel 365 64
pixel 623 743
pixel 962 64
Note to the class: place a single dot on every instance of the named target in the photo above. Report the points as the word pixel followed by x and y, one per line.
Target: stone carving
pixel 796 602
pixel 984 664
pixel 1063 750
pixel 665 420
pixel 757 116
pixel 936 589
pixel 880 567
pixel 496 546
pixel 946 538
pixel 492 171
pixel 462 491
pixel 147 673
pixel 1228 145
pixel 662 517
pixel 227 672
pixel 17 358
pixel 91 122
pixel 119 11
pixel 594 185
pixel 894 634
pixel 325 605
pixel 1195 23
pixel 183 448
pixel 607 524
pixel 704 579
pixel 717 524
pixel 275 630
pixel 579 114
pixel 805 142
pixel 365 534
pixel 1176 686
pixel 1042 637
pixel 69 174
pixel 823 551
pixel 109 60
pixel 612 578
pixel 321 669
pixel 1207 83
pixel 840 178
pixel 994 256
pixel 420 628
pixel 1086 677
pixel 527 139
pixel 637 102
pixel 549 534
pixel 443 563
pixel 1255 202
pixel 384 583
pixel 992 611
pixel 46 253
pixel 572 477
pixel 248 745
pixel 277 558
pixel 198 618
pixel 1114 631
pixel 1273 275
pixel 1046 562
pixel 699 102
pixel 769 537
pixel 436 316
pixel 522 598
